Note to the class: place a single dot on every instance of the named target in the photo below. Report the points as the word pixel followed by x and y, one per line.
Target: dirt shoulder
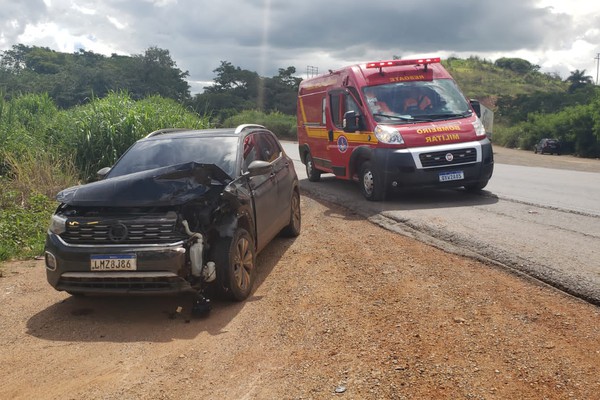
pixel 346 307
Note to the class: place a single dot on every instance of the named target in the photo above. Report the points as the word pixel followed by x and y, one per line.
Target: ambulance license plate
pixel 452 176
pixel 113 262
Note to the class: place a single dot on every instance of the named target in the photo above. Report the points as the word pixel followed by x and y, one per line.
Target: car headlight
pixel 388 135
pixel 479 128
pixel 58 224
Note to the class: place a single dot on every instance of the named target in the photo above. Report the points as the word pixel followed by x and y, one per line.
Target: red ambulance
pixel 392 125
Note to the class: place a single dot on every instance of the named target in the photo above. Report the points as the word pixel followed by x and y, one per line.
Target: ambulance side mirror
pixel 351 121
pixel 476 107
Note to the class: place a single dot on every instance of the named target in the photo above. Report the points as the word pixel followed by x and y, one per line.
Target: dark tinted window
pixel 260 146
pixel 150 154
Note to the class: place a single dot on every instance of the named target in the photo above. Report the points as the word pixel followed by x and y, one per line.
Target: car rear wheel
pixel 236 265
pixel 314 175
pixel 293 228
pixel 370 183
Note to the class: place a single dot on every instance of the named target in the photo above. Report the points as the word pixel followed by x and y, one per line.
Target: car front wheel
pixel 236 265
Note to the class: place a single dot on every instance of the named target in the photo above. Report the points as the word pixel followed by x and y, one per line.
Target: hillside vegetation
pixel 529 105
pixel 487 81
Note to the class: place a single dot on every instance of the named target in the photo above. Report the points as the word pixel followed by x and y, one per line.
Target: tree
pixel 281 91
pixel 517 65
pixel 159 75
pixel 234 80
pixel 578 79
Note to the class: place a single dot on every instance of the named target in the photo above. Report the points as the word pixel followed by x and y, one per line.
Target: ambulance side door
pixel 340 143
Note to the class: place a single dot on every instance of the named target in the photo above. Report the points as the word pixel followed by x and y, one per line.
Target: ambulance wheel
pixel 476 187
pixel 371 185
pixel 314 175
pixel 236 265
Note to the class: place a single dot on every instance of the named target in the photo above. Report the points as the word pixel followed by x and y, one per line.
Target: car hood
pixel 167 186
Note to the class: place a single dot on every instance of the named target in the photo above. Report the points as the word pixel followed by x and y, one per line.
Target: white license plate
pixel 452 176
pixel 110 262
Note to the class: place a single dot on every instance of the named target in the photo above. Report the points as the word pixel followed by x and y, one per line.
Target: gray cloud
pixel 264 35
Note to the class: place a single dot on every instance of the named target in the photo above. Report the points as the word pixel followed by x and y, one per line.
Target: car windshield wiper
pixel 450 115
pixel 403 117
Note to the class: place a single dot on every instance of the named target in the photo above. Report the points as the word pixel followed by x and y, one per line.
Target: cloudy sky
pixel 265 35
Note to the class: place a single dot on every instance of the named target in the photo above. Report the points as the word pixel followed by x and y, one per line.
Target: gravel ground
pixel 346 310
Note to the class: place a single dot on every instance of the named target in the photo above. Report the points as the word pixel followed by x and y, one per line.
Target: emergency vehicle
pixel 392 125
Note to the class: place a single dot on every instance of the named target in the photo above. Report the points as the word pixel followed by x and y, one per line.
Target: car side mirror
pixel 101 174
pixel 351 121
pixel 259 167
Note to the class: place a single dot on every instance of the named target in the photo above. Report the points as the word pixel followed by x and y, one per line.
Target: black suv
pixel 547 146
pixel 180 211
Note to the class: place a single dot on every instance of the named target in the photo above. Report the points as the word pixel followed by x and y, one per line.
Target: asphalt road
pixel 542 222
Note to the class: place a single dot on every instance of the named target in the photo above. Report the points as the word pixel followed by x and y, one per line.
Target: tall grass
pixel 98 133
pixel 44 150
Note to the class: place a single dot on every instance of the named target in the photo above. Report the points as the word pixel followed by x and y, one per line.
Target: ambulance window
pixel 323 115
pixel 355 94
pixel 351 105
pixel 334 100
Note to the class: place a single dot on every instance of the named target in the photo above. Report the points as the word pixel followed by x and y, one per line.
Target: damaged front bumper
pixel 159 269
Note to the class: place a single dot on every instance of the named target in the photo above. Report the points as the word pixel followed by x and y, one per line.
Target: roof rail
pixel 165 130
pixel 246 126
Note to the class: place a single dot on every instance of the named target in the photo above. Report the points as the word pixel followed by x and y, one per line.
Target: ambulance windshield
pixel 416 101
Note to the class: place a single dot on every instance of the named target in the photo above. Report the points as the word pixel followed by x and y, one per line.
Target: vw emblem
pixel 449 157
pixel 117 233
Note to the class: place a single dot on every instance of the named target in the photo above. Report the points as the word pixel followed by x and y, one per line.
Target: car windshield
pixel 406 102
pixel 150 154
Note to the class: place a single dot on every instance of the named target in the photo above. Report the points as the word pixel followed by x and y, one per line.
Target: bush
pixel 282 125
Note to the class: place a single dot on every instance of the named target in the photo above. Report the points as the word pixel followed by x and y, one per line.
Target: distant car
pixel 546 145
pixel 180 211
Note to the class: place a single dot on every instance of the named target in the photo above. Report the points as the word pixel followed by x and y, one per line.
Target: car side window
pixel 270 150
pixel 251 152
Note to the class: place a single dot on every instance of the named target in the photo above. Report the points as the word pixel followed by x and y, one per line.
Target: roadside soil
pixel 346 310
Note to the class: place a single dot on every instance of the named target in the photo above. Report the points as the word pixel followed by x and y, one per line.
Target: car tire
pixel 293 228
pixel 235 260
pixel 314 175
pixel 371 185
pixel 476 187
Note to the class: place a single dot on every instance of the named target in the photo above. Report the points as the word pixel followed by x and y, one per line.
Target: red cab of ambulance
pixel 389 125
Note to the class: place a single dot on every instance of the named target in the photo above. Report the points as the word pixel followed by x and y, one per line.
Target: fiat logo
pixel 449 157
pixel 117 233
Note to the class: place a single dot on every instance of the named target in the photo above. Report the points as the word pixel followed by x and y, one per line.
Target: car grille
pixel 124 284
pixel 140 230
pixel 440 158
